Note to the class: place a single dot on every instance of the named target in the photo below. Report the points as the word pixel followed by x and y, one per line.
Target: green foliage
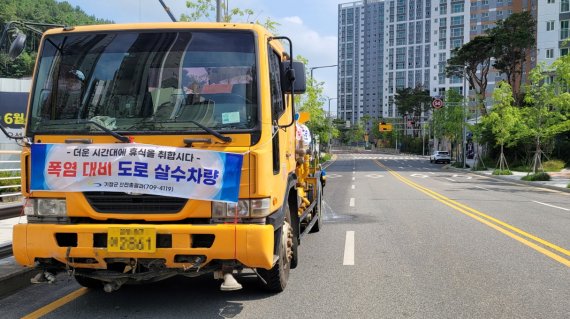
pixel 504 118
pixel 502 172
pixel 206 9
pixel 413 101
pixel 325 157
pixel 542 176
pixel 448 121
pixel 513 39
pixel 39 11
pixel 478 167
pixel 521 168
pixel 475 55
pixel 553 165
pixel 312 102
pixel 9 182
pixel 459 164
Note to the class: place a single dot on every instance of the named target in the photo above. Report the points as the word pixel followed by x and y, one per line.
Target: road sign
pixel 385 127
pixel 437 103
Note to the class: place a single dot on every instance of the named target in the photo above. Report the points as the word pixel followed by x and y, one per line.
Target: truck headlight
pixel 244 208
pixel 45 207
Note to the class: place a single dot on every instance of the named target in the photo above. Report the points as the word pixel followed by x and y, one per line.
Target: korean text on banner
pixel 136 168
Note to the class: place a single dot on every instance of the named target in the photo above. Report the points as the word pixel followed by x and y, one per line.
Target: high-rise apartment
pixel 360 59
pixel 414 39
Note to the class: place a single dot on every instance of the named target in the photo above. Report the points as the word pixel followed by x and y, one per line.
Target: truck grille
pixel 122 203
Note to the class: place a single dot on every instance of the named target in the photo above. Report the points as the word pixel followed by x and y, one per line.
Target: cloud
pixel 295 20
pixel 319 49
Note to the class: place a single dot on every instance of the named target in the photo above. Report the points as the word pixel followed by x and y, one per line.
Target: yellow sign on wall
pixel 385 127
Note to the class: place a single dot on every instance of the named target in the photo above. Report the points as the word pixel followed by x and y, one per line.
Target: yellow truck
pixel 166 149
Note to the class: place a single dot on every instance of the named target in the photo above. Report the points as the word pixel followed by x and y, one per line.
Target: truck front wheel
pixel 276 277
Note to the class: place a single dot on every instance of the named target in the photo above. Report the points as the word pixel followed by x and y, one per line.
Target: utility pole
pixel 218 10
pixel 167 9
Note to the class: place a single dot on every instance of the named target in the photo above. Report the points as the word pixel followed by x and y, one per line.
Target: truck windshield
pixel 144 82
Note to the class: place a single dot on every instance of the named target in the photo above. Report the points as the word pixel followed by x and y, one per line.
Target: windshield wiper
pixel 225 139
pixel 116 135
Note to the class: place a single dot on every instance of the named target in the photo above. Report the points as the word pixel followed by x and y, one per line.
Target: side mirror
pixel 17 46
pixel 293 77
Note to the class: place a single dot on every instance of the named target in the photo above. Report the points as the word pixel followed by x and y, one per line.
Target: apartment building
pixel 414 39
pixel 553 30
pixel 360 53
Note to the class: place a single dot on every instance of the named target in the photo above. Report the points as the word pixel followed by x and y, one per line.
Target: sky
pixel 311 25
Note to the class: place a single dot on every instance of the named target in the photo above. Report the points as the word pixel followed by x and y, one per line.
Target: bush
pixel 459 165
pixel 521 168
pixel 9 182
pixel 553 165
pixel 542 176
pixel 568 186
pixel 325 157
pixel 502 172
pixel 478 167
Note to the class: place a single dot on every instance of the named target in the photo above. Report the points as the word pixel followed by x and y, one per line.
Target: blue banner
pixel 136 168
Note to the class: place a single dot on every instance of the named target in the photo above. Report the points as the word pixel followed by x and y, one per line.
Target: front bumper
pixel 251 245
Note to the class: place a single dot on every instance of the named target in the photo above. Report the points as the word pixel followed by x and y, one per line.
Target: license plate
pixel 131 239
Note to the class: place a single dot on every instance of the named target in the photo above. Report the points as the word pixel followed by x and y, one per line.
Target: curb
pixel 514 181
pixel 14 277
pixel 328 163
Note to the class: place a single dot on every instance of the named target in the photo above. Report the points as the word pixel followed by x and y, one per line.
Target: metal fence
pixel 10 173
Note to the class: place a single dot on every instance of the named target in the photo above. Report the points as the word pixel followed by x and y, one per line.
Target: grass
pixel 568 186
pixel 542 176
pixel 553 165
pixel 502 172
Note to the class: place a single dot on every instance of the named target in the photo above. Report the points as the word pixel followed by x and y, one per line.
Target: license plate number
pixel 131 239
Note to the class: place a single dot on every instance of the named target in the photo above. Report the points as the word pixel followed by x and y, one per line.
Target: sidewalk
pixel 559 180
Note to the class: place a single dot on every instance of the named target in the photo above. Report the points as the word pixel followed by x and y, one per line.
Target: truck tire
pixel 88 282
pixel 277 277
pixel 318 210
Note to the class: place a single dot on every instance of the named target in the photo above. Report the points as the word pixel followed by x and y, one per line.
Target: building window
pixel 443 9
pixel 457 7
pixel 549 25
pixel 549 53
pixel 564 25
pixel 550 1
pixel 563 51
pixel 564 5
pixel 458 20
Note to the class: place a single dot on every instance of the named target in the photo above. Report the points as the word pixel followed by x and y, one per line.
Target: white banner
pixel 136 168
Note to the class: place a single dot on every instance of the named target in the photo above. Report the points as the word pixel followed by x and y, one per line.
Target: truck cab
pixel 165 149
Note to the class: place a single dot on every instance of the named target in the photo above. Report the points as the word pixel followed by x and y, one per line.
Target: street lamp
pixel 464 142
pixel 330 123
pixel 321 67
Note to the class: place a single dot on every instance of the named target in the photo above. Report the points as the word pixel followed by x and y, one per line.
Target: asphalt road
pixel 402 238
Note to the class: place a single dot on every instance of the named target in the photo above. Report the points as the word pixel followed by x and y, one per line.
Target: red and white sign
pixel 437 103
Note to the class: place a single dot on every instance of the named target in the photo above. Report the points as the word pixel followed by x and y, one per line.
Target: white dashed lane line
pixel 349 249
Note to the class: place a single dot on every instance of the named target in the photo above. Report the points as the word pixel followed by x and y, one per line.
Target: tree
pixel 513 40
pixel 475 55
pixel 503 120
pixel 413 101
pixel 204 9
pixel 448 120
pixel 40 11
pixel 547 113
pixel 312 102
